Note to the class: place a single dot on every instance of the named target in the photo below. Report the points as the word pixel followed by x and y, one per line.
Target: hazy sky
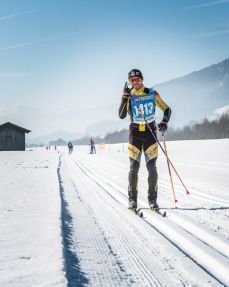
pixel 64 55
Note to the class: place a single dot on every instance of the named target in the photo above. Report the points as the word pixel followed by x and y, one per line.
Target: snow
pixel 30 234
pixel 65 220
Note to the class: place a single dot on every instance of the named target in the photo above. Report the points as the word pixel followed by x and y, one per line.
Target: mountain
pixel 192 98
pixel 96 130
pixel 103 128
pixel 53 136
pixel 196 95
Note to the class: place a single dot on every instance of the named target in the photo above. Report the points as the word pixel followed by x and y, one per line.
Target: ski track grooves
pixel 178 233
pixel 101 262
pixel 138 270
pixel 218 244
pixel 195 194
pixel 135 258
pixel 87 238
pixel 73 273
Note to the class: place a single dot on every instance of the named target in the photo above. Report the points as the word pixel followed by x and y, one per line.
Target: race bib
pixel 143 105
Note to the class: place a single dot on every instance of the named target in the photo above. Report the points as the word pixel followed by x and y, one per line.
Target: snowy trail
pixel 185 223
pixel 65 220
pixel 179 189
pixel 206 256
pixel 117 222
pixel 196 206
pixel 106 251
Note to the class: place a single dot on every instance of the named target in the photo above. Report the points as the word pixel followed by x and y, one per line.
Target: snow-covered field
pixel 30 234
pixel 64 219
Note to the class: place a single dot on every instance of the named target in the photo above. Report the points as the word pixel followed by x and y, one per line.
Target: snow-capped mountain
pixel 196 95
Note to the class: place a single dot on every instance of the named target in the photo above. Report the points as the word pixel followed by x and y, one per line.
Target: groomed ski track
pixel 114 247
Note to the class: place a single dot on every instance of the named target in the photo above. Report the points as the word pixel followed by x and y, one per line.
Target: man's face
pixel 136 83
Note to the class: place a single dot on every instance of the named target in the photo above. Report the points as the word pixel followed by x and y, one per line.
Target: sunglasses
pixel 135 80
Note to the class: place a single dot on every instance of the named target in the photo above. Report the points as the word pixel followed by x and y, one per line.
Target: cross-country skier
pixel 92 144
pixel 70 147
pixel 135 98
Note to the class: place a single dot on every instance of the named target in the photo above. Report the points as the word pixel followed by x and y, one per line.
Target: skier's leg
pixel 152 182
pixel 133 180
pixel 151 153
pixel 134 153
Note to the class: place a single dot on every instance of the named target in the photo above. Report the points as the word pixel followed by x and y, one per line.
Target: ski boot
pixel 153 205
pixel 132 205
pixel 155 208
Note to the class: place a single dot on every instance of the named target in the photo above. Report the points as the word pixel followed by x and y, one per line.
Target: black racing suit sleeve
pixel 164 107
pixel 123 108
pixel 167 115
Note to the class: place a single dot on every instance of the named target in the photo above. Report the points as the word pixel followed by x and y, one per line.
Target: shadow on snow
pixel 74 276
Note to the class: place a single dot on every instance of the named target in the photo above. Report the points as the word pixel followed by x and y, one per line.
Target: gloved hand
pixel 126 91
pixel 162 126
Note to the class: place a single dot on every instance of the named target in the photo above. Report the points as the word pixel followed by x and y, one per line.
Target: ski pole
pixel 142 115
pixel 170 174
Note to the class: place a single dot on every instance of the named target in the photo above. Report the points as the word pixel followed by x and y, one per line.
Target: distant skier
pixel 92 144
pixel 140 137
pixel 70 147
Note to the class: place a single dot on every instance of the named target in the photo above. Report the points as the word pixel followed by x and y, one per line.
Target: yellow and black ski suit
pixel 140 138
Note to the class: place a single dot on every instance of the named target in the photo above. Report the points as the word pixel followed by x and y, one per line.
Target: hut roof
pixel 13 125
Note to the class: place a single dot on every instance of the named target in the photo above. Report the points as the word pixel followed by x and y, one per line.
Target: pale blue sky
pixel 59 55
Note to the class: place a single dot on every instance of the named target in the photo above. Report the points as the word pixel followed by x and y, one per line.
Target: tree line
pixel 215 129
pixel 206 129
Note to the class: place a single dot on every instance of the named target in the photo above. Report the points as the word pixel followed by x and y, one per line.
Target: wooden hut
pixel 12 137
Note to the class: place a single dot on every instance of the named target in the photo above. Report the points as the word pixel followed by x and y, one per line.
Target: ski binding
pixel 136 211
pixel 158 211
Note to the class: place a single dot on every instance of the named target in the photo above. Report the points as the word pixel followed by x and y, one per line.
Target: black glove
pixel 126 91
pixel 162 126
